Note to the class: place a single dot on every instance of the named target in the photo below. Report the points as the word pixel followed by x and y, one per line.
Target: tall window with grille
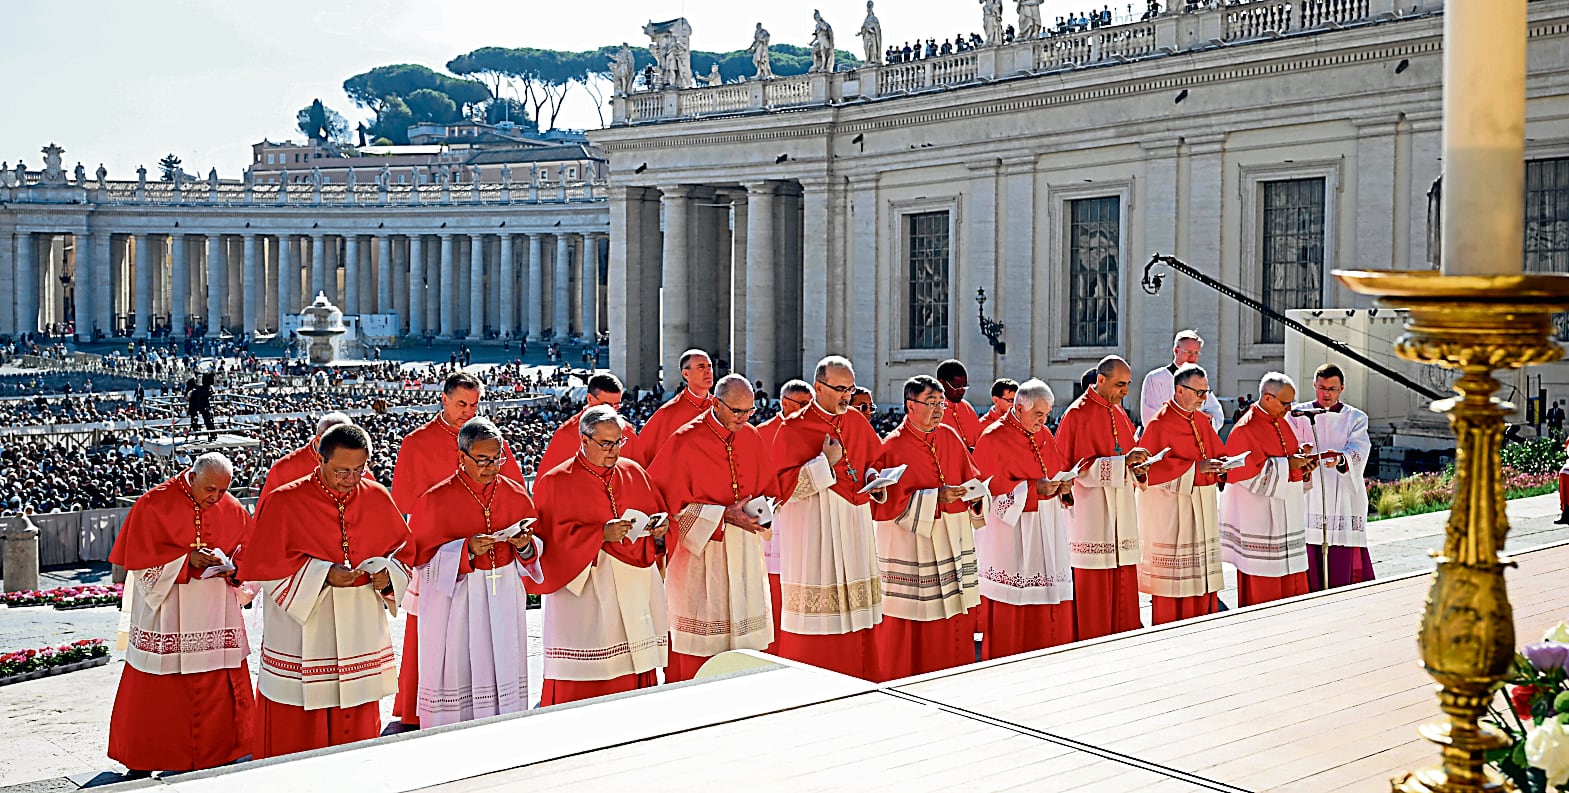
pixel 927 252
pixel 1547 223
pixel 1094 256
pixel 1293 250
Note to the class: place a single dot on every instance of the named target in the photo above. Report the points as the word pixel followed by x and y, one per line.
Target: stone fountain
pixel 321 324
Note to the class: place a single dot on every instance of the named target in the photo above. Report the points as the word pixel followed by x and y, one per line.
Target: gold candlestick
pixel 1475 324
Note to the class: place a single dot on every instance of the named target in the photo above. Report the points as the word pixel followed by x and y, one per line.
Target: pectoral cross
pixel 494 575
pixel 849 468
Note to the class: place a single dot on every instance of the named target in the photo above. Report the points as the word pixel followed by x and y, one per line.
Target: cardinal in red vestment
pixel 184 701
pixel 605 625
pixel 960 415
pixel 717 587
pixel 427 456
pixel 301 462
pixel 1263 509
pixel 697 372
pixel 603 389
pixel 794 396
pixel 324 550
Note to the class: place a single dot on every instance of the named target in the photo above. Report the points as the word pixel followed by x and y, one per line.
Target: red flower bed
pixel 24 661
pixel 67 597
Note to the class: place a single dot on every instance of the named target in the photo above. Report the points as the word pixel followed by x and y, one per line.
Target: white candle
pixel 1484 136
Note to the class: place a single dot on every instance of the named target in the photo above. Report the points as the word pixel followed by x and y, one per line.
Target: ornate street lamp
pixel 990 328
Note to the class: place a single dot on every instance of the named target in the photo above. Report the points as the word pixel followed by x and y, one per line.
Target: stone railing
pixel 1231 22
pixel 230 194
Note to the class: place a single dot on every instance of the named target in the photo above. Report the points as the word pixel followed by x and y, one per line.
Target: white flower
pixel 1547 748
pixel 1557 633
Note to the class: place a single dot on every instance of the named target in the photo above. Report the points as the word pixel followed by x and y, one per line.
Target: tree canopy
pixel 322 123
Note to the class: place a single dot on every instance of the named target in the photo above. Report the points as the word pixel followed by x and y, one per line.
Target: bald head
pixel 330 420
pixel 734 402
pixel 1113 377
pixel 731 386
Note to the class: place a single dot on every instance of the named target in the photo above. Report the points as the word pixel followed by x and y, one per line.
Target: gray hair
pixel 831 362
pixel 1272 382
pixel 1186 335
pixel 1033 391
pixel 793 388
pixel 1188 372
pixel 477 429
pixel 214 462
pixel 595 416
pixel 735 383
pixel 330 420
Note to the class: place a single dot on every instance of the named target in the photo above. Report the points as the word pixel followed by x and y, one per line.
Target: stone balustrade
pixel 1226 23
pixel 237 195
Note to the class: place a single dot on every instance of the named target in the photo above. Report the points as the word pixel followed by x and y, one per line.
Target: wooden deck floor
pixel 1319 694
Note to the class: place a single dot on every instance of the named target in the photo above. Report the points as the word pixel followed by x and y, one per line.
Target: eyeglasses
pixel 799 403
pixel 839 389
pixel 608 445
pixel 937 405
pixel 1202 392
pixel 487 462
pixel 743 412
pixel 1007 400
pixel 866 408
pixel 346 473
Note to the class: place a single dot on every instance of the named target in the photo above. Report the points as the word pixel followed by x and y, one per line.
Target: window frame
pixel 1251 253
pixel 899 275
pixel 1058 270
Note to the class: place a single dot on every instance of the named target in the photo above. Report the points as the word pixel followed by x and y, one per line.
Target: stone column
pixel 288 278
pixel 476 286
pixel 144 286
pixel 26 283
pixel 507 316
pixel 536 286
pixel 215 279
pixel 416 304
pixel 318 267
pixel 384 274
pixel 234 289
pixel 815 294
pixel 737 284
pixel 251 299
pixel 449 296
pixel 760 360
pixel 399 260
pixel 179 285
pixel 20 538
pixel 674 331
pixel 103 279
pixel 351 274
pixel 82 304
pixel 588 307
pixel 561 286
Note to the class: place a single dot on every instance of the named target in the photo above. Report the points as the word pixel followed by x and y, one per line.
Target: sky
pixel 124 82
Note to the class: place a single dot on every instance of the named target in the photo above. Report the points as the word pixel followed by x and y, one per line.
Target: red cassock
pixel 300 522
pixel 297 464
pixel 575 501
pixel 1264 437
pixel 961 417
pixel 567 439
pixel 1007 454
pixel 703 463
pixel 1191 437
pixel 671 416
pixel 800 441
pixel 180 722
pixel 1105 601
pixel 769 432
pixel 912 647
pixel 428 455
pixel 455 509
pixel 992 417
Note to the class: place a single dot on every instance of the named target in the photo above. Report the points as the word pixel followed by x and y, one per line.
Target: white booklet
pixel 1068 475
pixel 374 565
pixel 1228 463
pixel 224 566
pixel 760 509
pixel 976 489
pixel 641 523
pixel 513 530
pixel 1156 457
pixel 883 478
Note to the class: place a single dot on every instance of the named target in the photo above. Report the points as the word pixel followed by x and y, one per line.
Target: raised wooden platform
pixel 1320 693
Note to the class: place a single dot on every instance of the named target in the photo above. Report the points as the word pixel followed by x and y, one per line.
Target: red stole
pixel 801 440
pixel 935 459
pixel 696 467
pixel 429 455
pixel 1190 436
pixel 302 521
pixel 1008 454
pixel 961 417
pixel 670 417
pixel 455 510
pixel 1265 437
pixel 162 526
pixel 567 439
pixel 575 501
pixel 1092 427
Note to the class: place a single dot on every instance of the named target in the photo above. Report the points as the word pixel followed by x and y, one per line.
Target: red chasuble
pixel 936 459
pixel 180 722
pixel 1191 437
pixel 671 416
pixel 427 456
pixel 455 509
pixel 575 501
pixel 568 439
pixel 1265 437
pixel 1105 601
pixel 1008 453
pixel 704 463
pixel 961 417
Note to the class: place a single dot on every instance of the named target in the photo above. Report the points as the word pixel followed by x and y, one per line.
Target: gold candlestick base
pixel 1473 324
